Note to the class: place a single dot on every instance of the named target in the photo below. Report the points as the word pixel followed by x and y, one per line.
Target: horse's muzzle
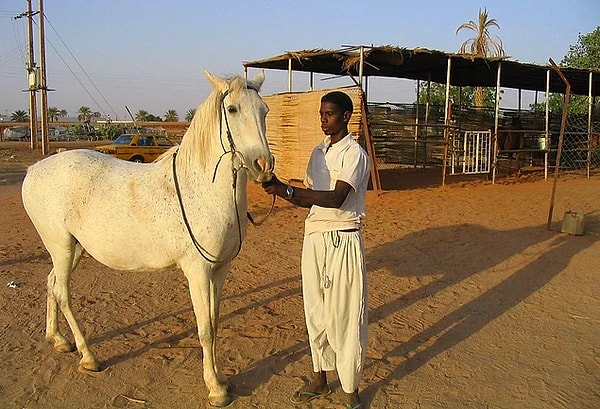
pixel 265 169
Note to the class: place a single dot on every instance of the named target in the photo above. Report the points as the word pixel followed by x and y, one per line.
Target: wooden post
pixel 561 138
pixel 370 147
pixel 43 85
pixel 32 79
pixel 446 121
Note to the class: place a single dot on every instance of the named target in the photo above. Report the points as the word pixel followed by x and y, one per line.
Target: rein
pixel 234 171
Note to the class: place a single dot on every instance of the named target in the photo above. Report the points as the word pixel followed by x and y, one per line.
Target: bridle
pixel 234 171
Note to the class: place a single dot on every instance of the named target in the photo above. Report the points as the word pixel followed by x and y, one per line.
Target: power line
pixel 19 38
pixel 80 66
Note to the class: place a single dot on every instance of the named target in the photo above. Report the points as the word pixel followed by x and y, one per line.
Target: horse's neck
pixel 207 163
pixel 210 176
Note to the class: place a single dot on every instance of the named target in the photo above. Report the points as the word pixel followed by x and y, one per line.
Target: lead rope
pixel 203 252
pixel 259 223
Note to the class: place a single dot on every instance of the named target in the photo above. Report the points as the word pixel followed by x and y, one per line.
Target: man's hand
pixel 273 186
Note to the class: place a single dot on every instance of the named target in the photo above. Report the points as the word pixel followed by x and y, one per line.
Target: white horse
pixel 187 209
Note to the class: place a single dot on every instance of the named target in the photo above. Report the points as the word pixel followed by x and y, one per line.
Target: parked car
pixel 137 147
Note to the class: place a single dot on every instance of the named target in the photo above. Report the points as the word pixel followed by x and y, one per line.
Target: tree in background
pixel 190 114
pixel 435 94
pixel 54 113
pixel 142 115
pixel 84 114
pixel 482 45
pixel 109 131
pixel 19 116
pixel 585 54
pixel 171 116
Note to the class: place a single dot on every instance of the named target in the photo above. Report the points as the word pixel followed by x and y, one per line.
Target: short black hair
pixel 339 98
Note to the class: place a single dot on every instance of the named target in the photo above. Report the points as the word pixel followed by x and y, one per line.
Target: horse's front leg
pixel 205 290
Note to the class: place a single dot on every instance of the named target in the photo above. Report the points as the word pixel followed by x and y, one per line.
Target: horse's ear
pixel 218 83
pixel 260 78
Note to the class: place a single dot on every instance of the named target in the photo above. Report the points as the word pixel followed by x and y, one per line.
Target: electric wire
pixel 80 66
pixel 76 77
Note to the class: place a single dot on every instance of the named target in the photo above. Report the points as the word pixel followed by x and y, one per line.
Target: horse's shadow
pixel 192 330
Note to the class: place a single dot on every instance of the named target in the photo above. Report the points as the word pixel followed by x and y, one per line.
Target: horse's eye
pixel 231 109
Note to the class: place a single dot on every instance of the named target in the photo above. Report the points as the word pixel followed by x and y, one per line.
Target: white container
pixel 573 223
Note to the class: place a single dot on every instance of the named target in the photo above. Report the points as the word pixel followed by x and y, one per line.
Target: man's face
pixel 333 120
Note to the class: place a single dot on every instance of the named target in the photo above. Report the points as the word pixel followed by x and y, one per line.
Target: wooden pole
pixel 496 115
pixel 290 74
pixel 369 145
pixel 563 124
pixel 43 84
pixel 446 122
pixel 32 79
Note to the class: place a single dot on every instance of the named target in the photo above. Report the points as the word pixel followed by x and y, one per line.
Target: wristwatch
pixel 289 192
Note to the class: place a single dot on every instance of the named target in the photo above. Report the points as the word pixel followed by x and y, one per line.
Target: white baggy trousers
pixel 334 286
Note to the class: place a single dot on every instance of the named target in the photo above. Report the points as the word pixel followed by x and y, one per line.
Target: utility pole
pixel 36 78
pixel 32 77
pixel 43 84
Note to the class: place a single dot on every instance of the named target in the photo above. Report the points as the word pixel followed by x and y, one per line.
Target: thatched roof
pixel 423 64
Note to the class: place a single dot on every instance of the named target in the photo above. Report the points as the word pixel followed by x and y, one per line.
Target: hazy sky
pixel 150 54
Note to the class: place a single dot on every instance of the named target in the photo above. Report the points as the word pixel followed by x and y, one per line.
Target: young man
pixel 334 282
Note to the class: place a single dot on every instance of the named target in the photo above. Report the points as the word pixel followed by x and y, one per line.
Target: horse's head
pixel 243 124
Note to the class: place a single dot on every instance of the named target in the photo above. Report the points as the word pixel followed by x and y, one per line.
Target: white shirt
pixel 347 161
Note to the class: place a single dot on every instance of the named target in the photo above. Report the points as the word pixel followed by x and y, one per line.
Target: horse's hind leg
pixel 65 258
pixel 61 343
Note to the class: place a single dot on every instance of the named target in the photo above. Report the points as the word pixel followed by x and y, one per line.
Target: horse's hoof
pixel 91 367
pixel 220 401
pixel 64 347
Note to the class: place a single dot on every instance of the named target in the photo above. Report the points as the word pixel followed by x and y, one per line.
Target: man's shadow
pixel 455 253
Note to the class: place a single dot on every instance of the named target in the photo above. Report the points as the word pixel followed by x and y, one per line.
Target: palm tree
pixel 53 113
pixel 84 113
pixel 190 114
pixel 482 45
pixel 171 116
pixel 19 116
pixel 142 115
pixel 62 113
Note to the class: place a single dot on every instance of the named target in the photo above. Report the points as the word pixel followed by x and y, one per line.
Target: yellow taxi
pixel 137 147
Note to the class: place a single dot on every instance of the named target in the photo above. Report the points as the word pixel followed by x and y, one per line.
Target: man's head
pixel 341 99
pixel 335 112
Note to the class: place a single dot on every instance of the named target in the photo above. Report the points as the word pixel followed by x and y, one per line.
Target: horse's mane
pixel 203 132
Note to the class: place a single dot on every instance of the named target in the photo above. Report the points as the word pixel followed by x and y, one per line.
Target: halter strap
pixel 203 252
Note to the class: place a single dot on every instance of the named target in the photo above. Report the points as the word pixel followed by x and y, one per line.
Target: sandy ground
pixel 474 303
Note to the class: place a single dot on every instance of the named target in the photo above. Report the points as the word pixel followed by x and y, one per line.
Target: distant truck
pixel 22 133
pixel 16 133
